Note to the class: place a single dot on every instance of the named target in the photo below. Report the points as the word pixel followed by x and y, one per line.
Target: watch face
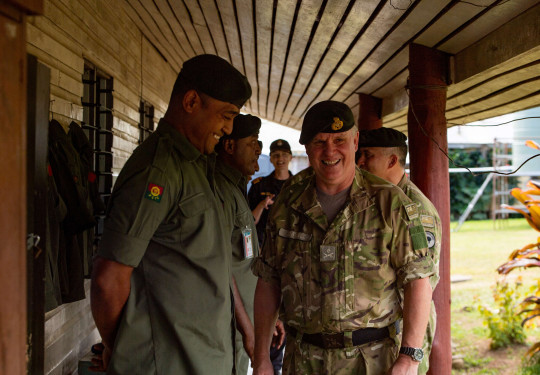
pixel 418 355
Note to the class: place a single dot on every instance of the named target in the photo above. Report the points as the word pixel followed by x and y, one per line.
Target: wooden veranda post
pixel 428 72
pixel 369 112
pixel 13 187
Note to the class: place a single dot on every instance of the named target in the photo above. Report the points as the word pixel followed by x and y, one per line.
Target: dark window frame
pixel 146 121
pixel 97 124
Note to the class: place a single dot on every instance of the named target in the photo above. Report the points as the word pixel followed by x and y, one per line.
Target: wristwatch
pixel 416 354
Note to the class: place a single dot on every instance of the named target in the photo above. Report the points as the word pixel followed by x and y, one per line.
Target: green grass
pixel 476 251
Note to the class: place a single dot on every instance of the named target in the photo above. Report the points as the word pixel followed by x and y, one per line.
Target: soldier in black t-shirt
pixel 265 189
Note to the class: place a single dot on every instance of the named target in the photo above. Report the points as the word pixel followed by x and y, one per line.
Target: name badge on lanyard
pixel 248 244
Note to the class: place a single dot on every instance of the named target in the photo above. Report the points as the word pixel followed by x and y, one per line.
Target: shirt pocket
pixel 368 273
pixel 295 275
pixel 195 222
pixel 241 221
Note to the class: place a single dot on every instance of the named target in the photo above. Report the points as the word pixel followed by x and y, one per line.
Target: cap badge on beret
pixel 337 124
pixel 279 143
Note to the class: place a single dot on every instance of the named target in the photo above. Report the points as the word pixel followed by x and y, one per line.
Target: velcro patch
pixel 294 235
pixel 328 253
pixel 154 192
pixel 412 211
pixel 427 221
pixel 418 237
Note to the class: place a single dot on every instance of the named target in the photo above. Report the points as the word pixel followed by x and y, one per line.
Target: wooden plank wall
pixel 101 32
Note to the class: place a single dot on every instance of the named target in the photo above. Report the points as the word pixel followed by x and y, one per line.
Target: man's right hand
pixel 100 361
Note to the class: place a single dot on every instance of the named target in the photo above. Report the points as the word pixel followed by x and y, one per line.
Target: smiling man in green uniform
pixel 161 282
pixel 237 159
pixel 383 152
pixel 340 244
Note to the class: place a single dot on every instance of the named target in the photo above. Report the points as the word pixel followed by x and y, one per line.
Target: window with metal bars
pixel 146 123
pixel 97 123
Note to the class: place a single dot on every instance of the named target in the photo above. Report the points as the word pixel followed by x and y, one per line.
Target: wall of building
pixel 69 33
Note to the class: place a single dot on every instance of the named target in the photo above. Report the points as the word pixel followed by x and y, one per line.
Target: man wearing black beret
pixel 340 243
pixel 383 152
pixel 160 292
pixel 237 160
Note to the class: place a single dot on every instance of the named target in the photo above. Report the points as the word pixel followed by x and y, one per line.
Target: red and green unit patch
pixel 154 192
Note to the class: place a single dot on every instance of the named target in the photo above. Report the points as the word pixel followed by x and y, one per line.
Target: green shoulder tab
pixel 162 152
pixel 418 237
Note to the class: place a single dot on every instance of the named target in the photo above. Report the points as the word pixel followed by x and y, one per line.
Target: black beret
pixel 326 117
pixel 215 77
pixel 244 126
pixel 280 145
pixel 381 137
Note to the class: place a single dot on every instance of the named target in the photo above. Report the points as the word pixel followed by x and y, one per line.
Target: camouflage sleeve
pixel 410 255
pixel 266 265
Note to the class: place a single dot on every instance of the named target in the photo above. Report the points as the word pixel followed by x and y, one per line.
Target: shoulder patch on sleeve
pixel 412 210
pixel 418 237
pixel 154 192
pixel 257 180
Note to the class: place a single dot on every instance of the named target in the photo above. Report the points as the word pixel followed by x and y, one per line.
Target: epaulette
pixel 257 180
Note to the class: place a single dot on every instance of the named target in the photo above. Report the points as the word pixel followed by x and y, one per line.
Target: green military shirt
pixel 238 217
pixel 344 275
pixel 165 221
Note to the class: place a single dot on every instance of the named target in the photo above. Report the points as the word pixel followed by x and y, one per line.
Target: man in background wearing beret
pixel 237 159
pixel 340 243
pixel 383 152
pixel 160 292
pixel 264 190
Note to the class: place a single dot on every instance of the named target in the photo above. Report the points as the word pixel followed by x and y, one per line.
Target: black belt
pixel 337 340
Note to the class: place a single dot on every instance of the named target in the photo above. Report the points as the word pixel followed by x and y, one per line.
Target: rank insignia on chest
pixel 412 211
pixel 328 253
pixel 154 192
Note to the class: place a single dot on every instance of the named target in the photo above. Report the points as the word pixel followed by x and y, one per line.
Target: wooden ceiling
pixel 296 53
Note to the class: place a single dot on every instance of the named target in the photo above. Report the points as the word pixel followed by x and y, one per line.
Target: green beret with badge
pixel 215 77
pixel 382 137
pixel 326 117
pixel 280 145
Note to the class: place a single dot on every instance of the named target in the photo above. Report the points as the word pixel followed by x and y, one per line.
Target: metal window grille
pixel 146 123
pixel 97 123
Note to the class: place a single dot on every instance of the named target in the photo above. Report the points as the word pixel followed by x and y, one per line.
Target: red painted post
pixel 428 72
pixel 369 113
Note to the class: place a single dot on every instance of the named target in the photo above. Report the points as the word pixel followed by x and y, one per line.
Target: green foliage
pixel 463 186
pixel 530 369
pixel 504 323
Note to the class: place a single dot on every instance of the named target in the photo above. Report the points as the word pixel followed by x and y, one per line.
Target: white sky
pixel 271 131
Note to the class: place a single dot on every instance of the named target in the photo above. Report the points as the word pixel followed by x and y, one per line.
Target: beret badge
pixel 337 124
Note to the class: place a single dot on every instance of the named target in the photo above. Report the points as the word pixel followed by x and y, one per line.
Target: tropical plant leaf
pixel 525 251
pixel 532 144
pixel 517 263
pixel 535 348
pixel 525 214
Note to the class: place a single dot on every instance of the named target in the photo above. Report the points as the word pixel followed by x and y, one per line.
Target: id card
pixel 248 245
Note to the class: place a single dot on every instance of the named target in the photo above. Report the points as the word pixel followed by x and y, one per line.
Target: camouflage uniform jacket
pixel 430 220
pixel 344 275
